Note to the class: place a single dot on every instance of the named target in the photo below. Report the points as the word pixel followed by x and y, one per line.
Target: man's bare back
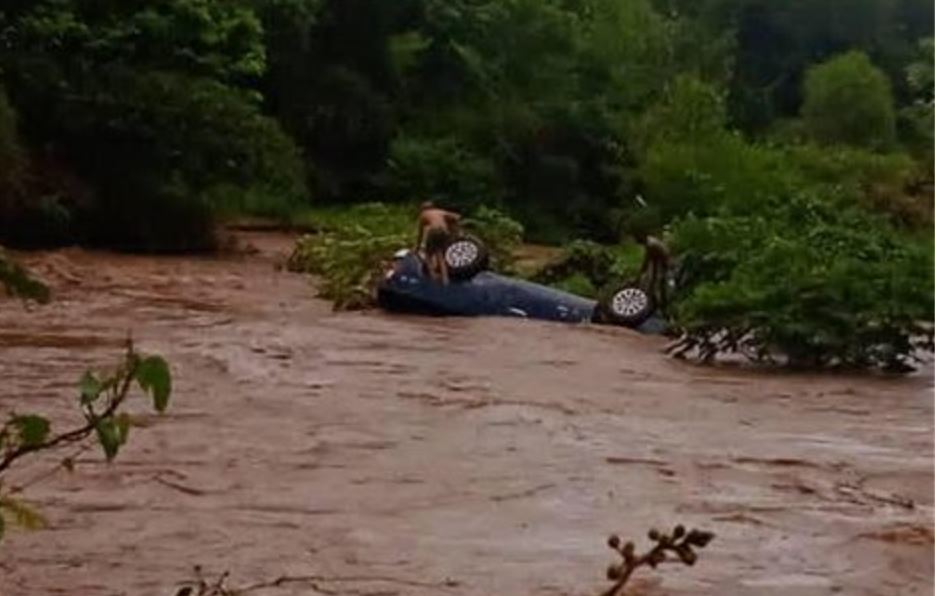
pixel 436 227
pixel 434 217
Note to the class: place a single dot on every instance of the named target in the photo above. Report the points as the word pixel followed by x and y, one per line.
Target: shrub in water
pixel 500 233
pixel 812 280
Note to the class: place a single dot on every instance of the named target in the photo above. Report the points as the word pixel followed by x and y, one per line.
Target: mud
pixel 373 454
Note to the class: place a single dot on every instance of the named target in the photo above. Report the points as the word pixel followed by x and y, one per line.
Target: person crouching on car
pixel 436 229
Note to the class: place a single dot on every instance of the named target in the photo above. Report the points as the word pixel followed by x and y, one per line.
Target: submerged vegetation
pixel 350 250
pixel 353 246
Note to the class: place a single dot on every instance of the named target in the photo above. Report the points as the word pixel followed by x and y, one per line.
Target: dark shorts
pixel 436 240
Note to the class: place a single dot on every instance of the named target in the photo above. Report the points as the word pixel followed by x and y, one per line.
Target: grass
pixel 374 217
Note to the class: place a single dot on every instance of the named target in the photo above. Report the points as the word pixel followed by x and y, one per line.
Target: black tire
pixel 466 256
pixel 628 306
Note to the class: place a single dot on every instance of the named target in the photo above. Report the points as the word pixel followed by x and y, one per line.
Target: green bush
pixel 442 170
pixel 500 233
pixel 587 268
pixel 351 249
pixel 729 174
pixel 11 164
pixel 812 280
pixel 196 146
pixel 150 215
pixel 37 195
pixel 848 100
pixel 691 111
pixel 917 120
pixel 724 172
pixel 144 105
pixel 880 182
pixel 349 263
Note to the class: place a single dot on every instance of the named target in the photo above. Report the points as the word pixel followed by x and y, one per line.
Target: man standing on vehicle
pixel 436 229
pixel 656 259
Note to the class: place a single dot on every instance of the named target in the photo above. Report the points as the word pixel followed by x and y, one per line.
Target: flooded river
pixel 370 454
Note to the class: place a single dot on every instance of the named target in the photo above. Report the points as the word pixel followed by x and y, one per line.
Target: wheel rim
pixel 462 253
pixel 629 302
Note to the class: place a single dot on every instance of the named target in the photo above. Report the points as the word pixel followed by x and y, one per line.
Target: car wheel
pixel 629 306
pixel 466 256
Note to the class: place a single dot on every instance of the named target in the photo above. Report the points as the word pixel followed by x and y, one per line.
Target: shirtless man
pixel 656 258
pixel 436 227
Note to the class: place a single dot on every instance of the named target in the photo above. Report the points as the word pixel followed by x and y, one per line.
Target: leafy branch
pixel 680 543
pixel 100 400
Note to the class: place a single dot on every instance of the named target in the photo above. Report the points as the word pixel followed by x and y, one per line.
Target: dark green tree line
pixel 191 108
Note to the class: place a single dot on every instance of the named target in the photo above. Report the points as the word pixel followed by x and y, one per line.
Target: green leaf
pixel 109 437
pixel 90 387
pixel 154 377
pixel 23 515
pixel 123 423
pixel 32 429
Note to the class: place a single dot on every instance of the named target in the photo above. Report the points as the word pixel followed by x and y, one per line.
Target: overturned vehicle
pixel 475 291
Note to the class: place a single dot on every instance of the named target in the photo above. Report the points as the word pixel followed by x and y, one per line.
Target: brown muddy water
pixel 383 455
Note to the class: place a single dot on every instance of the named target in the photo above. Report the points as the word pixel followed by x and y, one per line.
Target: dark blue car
pixel 408 288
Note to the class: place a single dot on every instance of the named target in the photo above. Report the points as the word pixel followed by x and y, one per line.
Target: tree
pixel 11 153
pixel 691 110
pixel 149 104
pixel 917 120
pixel 848 100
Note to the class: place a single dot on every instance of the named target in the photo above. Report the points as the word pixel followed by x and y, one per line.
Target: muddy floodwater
pixel 370 454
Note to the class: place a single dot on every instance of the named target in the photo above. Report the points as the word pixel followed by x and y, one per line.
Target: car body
pixel 407 288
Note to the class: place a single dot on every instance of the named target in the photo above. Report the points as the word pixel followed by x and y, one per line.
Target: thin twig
pixel 64 463
pixel 201 587
pixel 679 542
pixel 289 579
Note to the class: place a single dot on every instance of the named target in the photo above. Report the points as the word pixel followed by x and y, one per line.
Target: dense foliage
pixel 848 100
pixel 546 108
pixel 587 268
pixel 810 281
pixel 138 124
pixel 351 249
pixel 140 120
